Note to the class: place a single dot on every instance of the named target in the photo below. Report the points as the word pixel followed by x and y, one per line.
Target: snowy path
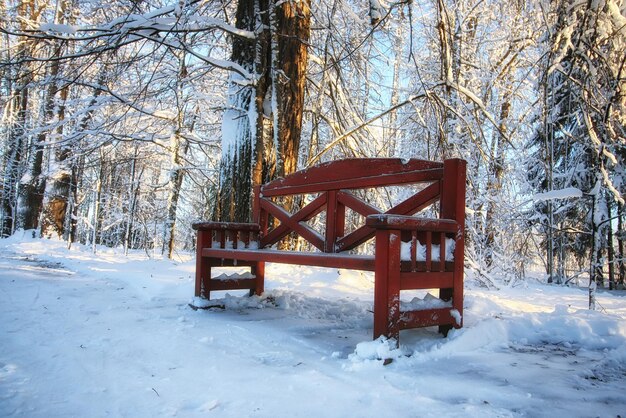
pixel 109 336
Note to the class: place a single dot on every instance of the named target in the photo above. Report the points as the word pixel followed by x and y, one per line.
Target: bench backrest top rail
pixel 355 173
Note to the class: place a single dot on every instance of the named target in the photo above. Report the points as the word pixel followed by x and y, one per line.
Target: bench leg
pixel 259 273
pixel 445 294
pixel 203 279
pixel 387 285
pixel 203 269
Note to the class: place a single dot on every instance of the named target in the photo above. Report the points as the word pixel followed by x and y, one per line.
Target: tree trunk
pixel 179 149
pixel 59 186
pixel 32 190
pixel 12 166
pixel 63 182
pixel 132 195
pixel 446 74
pixel 97 195
pixel 18 109
pixel 175 183
pixel 494 184
pixel 596 277
pixel 610 250
pixel 242 121
pixel 621 237
pixel 294 24
pixel 263 123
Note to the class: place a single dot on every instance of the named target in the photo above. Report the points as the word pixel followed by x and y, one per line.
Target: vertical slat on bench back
pixel 335 221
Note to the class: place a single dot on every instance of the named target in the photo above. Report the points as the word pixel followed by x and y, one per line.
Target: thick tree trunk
pixel 62 184
pixel 17 116
pixel 32 190
pixel 294 25
pixel 263 123
pixel 58 187
pixel 242 120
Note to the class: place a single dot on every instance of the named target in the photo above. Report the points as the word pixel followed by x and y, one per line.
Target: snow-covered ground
pixel 105 335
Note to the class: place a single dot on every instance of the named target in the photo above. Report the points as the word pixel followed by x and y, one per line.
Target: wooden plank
pixel 225 262
pixel 381 309
pixel 412 223
pixel 387 285
pixel 426 318
pixel 347 261
pixel 413 204
pixel 221 226
pixel 350 170
pixel 426 280
pixel 453 207
pixel 203 269
pixel 412 177
pixel 300 228
pixel 393 286
pixel 414 250
pixel 233 284
pixel 335 221
pixel 309 211
pixel 359 206
pixel 442 250
pixel 422 266
pixel 429 250
pixel 256 205
pixel 258 270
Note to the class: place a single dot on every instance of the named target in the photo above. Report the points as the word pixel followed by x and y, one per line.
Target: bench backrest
pixel 332 183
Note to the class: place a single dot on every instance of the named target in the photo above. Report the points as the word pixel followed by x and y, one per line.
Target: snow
pixel 110 335
pixel 58 28
pixel 566 193
pixel 420 252
pixel 428 302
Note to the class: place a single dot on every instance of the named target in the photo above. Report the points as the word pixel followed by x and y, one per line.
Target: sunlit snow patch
pixel 381 348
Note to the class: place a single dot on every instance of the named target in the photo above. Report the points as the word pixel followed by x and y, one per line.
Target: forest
pixel 123 122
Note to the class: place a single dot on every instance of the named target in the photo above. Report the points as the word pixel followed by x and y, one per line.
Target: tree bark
pixel 609 244
pixel 13 161
pixel 496 175
pixel 18 110
pixel 58 187
pixel 620 244
pixel 32 191
pixel 263 123
pixel 294 25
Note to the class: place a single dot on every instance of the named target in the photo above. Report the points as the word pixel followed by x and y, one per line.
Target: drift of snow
pixel 119 334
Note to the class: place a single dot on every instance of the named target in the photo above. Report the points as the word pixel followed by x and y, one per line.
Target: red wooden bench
pixel 409 252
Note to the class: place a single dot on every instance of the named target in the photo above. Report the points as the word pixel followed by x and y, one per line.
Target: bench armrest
pixel 412 223
pixel 222 226
pixel 227 234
